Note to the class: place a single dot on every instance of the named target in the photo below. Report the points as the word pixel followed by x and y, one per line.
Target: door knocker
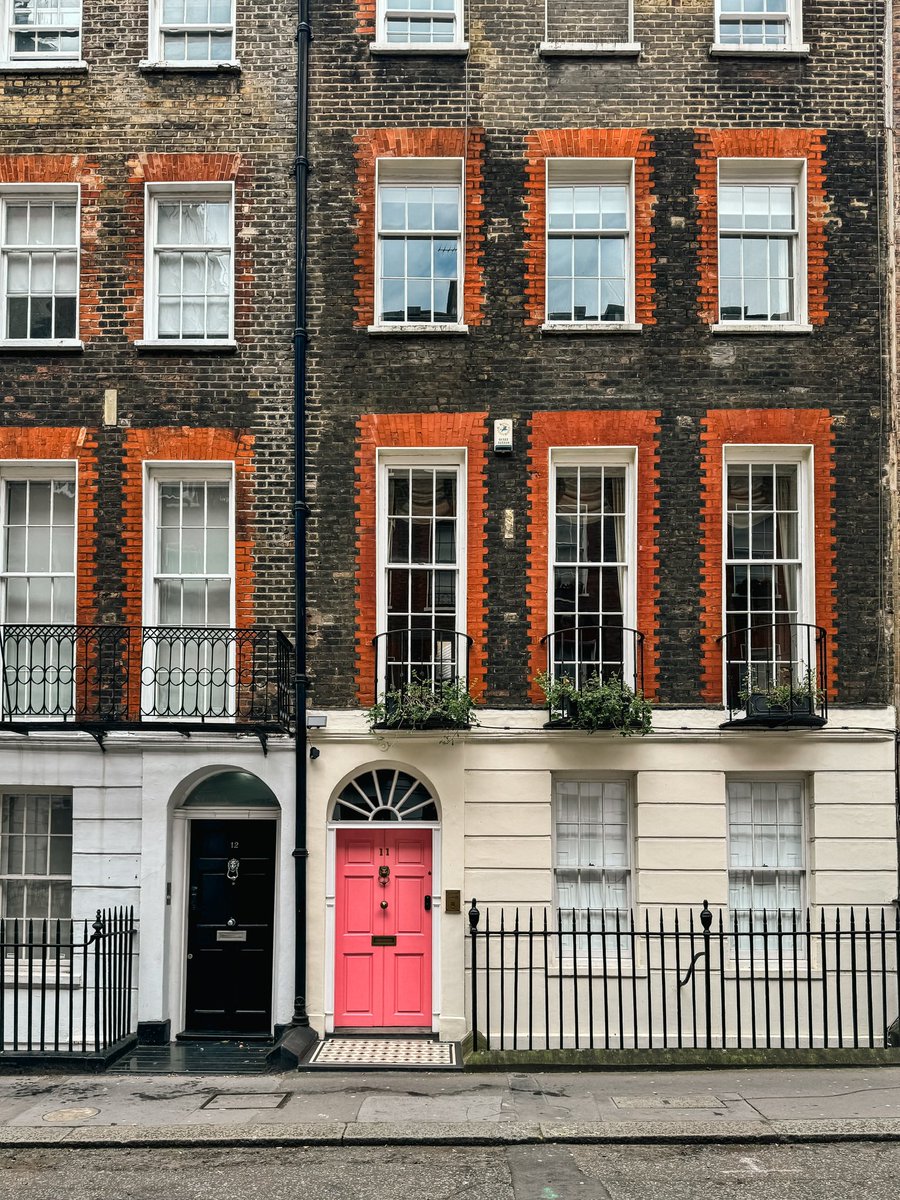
pixel 384 874
pixel 231 872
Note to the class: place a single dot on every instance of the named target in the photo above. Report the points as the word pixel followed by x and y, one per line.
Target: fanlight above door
pixel 385 794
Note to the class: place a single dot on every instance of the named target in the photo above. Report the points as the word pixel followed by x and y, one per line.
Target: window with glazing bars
pixel 192 267
pixel 40 266
pixel 765 859
pixel 37 593
pixel 755 23
pixel 592 867
pixel 759 232
pixel 36 860
pixel 421 22
pixel 43 29
pixel 763 576
pixel 193 591
pixel 195 31
pixel 419 242
pixel 588 240
pixel 422 577
pixel 590 571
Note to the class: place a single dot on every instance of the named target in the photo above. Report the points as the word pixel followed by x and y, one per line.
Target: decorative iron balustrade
pixel 66 987
pixel 557 979
pixel 428 657
pixel 588 651
pixel 776 674
pixel 107 676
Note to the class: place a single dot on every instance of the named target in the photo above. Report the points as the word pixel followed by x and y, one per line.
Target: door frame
pixel 181 866
pixel 331 832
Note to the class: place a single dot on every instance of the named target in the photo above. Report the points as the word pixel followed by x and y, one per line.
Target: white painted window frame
pixel 592 172
pixel 154 193
pixel 627 48
pixel 449 171
pixel 803 457
pixel 384 10
pixel 599 456
pixel 793 45
pixel 774 171
pixel 156 57
pixel 39 470
pixel 10 57
pixel 455 458
pixel 51 192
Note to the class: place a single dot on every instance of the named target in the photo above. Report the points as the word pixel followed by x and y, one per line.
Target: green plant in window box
pixel 598 704
pixel 418 706
pixel 801 697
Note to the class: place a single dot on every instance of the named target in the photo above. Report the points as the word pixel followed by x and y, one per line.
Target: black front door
pixel 231 900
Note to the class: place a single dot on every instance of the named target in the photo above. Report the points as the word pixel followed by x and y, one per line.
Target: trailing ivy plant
pixel 422 706
pixel 598 704
pixel 802 693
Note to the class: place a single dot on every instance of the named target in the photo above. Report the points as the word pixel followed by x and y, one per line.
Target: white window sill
pixel 423 330
pixel 723 50
pixel 580 327
pixel 222 346
pixel 63 67
pixel 42 347
pixel 454 50
pixel 785 329
pixel 226 67
pixel 589 49
pixel 20 979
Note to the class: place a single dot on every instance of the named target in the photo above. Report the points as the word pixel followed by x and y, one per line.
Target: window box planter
pixel 421 706
pixel 599 705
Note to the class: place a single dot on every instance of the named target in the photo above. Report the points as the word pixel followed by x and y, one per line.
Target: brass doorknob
pixel 384 904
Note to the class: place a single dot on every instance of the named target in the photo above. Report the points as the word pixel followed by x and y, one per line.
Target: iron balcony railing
pixel 776 674
pixel 571 978
pixel 430 657
pixel 108 676
pixel 66 987
pixel 589 650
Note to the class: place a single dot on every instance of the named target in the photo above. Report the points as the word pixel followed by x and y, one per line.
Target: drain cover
pixel 695 1100
pixel 70 1114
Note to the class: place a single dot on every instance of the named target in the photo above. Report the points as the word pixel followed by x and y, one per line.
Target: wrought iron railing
pixel 605 651
pixel 429 657
pixel 111 675
pixel 776 673
pixel 555 979
pixel 66 987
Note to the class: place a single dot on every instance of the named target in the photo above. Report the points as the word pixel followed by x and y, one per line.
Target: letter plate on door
pixel 384 939
pixel 231 935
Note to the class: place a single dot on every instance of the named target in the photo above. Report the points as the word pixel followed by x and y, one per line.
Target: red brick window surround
pixel 464 144
pixel 36 444
pixel 410 431
pixel 759 428
pixel 34 170
pixel 209 169
pixel 544 144
pixel 802 145
pixel 637 431
pixel 193 447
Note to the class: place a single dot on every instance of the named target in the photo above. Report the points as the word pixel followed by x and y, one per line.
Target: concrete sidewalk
pixel 431 1108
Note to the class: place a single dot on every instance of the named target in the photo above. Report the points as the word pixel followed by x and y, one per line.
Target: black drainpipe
pixel 300 1032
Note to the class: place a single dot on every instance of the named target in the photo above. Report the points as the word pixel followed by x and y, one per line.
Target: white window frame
pixel 384 10
pixel 619 48
pixel 11 58
pixel 776 172
pixel 592 172
pixel 803 457
pixel 599 456
pixel 455 458
pixel 421 172
pixel 792 20
pixel 35 192
pixel 156 56
pixel 630 871
pixel 154 194
pixel 803 870
pixel 30 793
pixel 155 473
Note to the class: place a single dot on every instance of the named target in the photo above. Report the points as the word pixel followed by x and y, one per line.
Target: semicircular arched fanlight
pixel 385 794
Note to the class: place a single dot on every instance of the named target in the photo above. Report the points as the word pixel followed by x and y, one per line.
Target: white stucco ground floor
pixel 405 829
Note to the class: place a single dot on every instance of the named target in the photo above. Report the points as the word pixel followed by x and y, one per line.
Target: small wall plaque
pixel 452 902
pixel 231 935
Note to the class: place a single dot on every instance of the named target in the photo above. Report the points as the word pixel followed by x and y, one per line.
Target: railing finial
pixel 474 916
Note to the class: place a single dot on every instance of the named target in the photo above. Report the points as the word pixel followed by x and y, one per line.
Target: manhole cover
pixel 695 1100
pixel 70 1114
pixel 247 1100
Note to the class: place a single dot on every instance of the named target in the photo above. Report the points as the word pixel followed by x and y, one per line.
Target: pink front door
pixel 382 973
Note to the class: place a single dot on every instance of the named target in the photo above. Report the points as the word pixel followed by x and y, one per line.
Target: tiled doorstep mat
pixel 385 1052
